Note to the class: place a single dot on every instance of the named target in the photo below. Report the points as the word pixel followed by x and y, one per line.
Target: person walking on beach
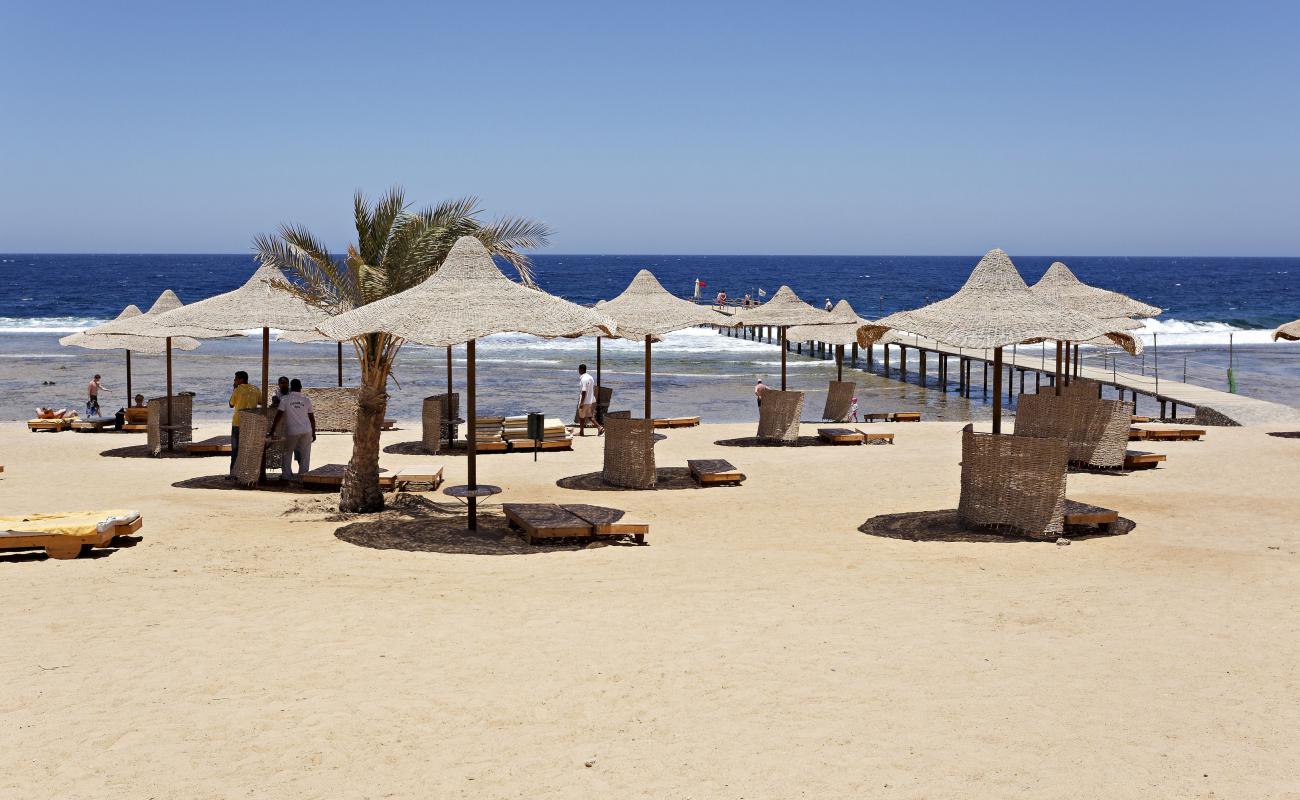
pixel 92 392
pixel 243 396
pixel 853 411
pixel 299 430
pixel 587 402
pixel 759 388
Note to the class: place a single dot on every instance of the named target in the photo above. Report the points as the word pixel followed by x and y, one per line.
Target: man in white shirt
pixel 587 402
pixel 299 430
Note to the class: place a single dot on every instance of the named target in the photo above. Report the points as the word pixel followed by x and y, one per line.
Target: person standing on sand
pixel 587 402
pixel 92 392
pixel 244 396
pixel 299 430
pixel 281 389
pixel 759 388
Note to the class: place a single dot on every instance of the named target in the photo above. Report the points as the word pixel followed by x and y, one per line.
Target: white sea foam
pixel 47 324
pixel 1177 332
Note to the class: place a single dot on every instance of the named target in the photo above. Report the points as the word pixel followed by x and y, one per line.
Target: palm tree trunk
pixel 361 492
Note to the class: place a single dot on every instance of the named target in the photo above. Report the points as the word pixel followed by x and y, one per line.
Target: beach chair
pixel 94 424
pixel 1137 459
pixel 1096 431
pixel 778 416
pixel 66 534
pixel 905 416
pixel 574 520
pixel 212 446
pixel 330 476
pixel 57 425
pixel 335 407
pixel 604 396
pixel 839 401
pixel 1013 483
pixel 677 422
pixel 137 419
pixel 173 432
pixel 841 436
pixel 1081 387
pixel 417 475
pixel 715 472
pixel 1165 434
pixel 629 452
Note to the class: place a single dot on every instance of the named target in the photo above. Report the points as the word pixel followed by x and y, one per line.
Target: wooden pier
pixel 1028 371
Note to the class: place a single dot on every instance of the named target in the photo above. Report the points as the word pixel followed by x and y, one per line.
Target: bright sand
pixel 761 647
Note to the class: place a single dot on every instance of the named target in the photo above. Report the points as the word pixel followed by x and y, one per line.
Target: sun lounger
pixel 578 520
pixel 1136 418
pixel 389 422
pixel 1165 434
pixel 331 476
pixel 714 472
pixel 1136 459
pixel 677 422
pixel 216 445
pixel 840 436
pixel 63 535
pixel 417 474
pixel 905 416
pixel 52 425
pixel 1082 515
pixel 93 424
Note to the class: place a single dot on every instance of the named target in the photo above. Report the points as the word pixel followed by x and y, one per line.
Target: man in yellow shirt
pixel 244 396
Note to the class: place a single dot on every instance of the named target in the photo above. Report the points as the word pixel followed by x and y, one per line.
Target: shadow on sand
pixel 12 556
pixel 667 478
pixel 944 526
pixel 442 530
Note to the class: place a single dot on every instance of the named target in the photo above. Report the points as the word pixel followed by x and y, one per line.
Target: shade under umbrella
pixel 784 310
pixel 93 339
pixel 259 303
pixel 993 309
pixel 466 299
pixel 1289 332
pixel 646 310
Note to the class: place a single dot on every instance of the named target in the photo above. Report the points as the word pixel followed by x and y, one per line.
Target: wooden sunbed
pixel 1083 515
pixel 715 472
pixel 93 424
pixel 577 520
pixel 64 535
pixel 52 425
pixel 1136 418
pixel 405 477
pixel 892 416
pixel 331 476
pixel 677 422
pixel 529 445
pixel 217 445
pixel 1166 434
pixel 1136 459
pixel 389 423
pixel 841 436
pixel 871 437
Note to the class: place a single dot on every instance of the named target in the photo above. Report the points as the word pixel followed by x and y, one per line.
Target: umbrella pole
pixel 470 435
pixel 597 362
pixel 169 393
pixel 997 390
pixel 1056 384
pixel 647 378
pixel 1067 362
pixel 128 379
pixel 340 363
pixel 266 361
pixel 839 362
pixel 783 358
pixel 448 370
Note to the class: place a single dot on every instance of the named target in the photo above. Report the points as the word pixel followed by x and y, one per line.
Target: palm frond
pixel 508 236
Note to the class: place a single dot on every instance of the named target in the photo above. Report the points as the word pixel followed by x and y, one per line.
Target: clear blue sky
pixel 1160 128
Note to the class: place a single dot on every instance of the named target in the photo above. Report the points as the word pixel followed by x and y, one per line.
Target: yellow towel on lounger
pixel 68 523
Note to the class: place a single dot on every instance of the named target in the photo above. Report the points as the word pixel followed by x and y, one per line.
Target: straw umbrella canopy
pixel 784 310
pixel 259 303
pixel 93 339
pixel 1289 332
pixel 466 299
pixel 144 327
pixel 995 308
pixel 1121 312
pixel 646 310
pixel 837 333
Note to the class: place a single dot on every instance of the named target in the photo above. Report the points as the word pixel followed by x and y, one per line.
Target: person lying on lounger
pixel 49 413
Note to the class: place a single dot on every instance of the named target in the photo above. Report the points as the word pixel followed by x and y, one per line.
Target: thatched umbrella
pixel 1289 332
pixel 838 333
pixel 1120 312
pixel 466 299
pixel 92 339
pixel 646 310
pixel 142 327
pixel 784 310
pixel 259 303
pixel 994 309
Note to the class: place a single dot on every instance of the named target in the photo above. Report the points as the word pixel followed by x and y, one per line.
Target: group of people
pixel 295 419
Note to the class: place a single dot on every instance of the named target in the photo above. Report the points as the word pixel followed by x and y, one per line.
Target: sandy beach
pixel 255 644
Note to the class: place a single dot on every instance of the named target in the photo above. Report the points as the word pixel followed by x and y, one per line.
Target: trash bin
pixel 536 430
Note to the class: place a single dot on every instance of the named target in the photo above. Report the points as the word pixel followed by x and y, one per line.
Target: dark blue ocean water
pixel 1244 293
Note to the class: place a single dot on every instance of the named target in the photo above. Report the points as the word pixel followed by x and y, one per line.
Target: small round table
pixel 470 496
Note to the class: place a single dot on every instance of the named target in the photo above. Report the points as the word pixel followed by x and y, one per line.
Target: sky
pixel 1085 128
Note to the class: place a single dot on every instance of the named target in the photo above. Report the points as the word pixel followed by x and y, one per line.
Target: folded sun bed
pixel 575 520
pixel 677 422
pixel 714 472
pixel 331 476
pixel 63 535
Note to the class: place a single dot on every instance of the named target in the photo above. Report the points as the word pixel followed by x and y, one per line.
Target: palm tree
pixel 395 250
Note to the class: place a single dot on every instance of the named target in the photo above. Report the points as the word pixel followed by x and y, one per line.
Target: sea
pixel 1218 316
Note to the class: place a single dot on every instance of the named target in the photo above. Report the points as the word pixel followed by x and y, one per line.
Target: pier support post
pixel 1056 380
pixel 997 389
pixel 984 383
pixel 886 360
pixel 784 347
pixel 921 373
pixel 871 356
pixel 902 362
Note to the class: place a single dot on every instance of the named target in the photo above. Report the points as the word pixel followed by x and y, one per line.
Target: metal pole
pixel 448 369
pixel 266 362
pixel 471 416
pixel 1056 382
pixel 170 432
pixel 997 390
pixel 647 378
pixel 340 363
pixel 1155 348
pixel 598 338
